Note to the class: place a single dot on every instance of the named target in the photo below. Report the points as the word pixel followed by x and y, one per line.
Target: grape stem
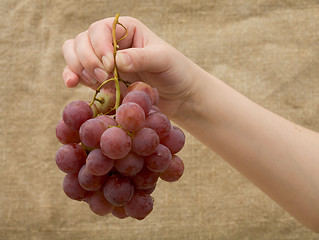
pixel 116 78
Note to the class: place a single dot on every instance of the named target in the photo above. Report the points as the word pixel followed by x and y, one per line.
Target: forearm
pixel 280 157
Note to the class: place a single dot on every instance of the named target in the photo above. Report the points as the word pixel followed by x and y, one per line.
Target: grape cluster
pixel 113 162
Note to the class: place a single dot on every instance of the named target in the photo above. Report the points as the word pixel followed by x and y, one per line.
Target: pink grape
pixel 159 123
pixel 150 190
pixel 141 98
pixel 130 164
pixel 145 141
pixel 70 158
pixel 97 163
pixel 91 132
pixel 109 121
pixel 159 160
pixel 174 171
pixel 115 143
pixel 139 206
pixel 119 212
pixel 144 87
pixel 175 140
pixel 76 113
pixel 66 135
pixel 118 190
pixel 130 116
pixel 89 181
pixel 98 204
pixel 153 110
pixel 145 179
pixel 72 188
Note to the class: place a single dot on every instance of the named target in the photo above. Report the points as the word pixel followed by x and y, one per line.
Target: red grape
pixel 70 158
pixel 159 160
pixel 98 204
pixel 66 135
pixel 130 164
pixel 109 121
pixel 139 206
pixel 159 123
pixel 97 163
pixel 174 171
pixel 144 87
pixel 118 190
pixel 76 113
pixel 72 188
pixel 130 116
pixel 91 132
pixel 141 98
pixel 115 143
pixel 145 179
pixel 145 141
pixel 119 212
pixel 89 181
pixel 175 140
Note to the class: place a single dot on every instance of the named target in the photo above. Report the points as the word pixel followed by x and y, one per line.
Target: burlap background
pixel 266 49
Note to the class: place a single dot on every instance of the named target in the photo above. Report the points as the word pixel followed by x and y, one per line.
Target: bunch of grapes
pixel 113 158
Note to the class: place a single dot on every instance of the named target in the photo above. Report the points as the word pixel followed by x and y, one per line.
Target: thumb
pixel 140 59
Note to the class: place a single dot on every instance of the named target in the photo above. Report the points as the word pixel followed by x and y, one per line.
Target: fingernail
pixel 123 59
pixel 88 77
pixel 107 61
pixel 100 74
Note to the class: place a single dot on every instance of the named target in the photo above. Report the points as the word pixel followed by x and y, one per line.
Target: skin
pixel 277 155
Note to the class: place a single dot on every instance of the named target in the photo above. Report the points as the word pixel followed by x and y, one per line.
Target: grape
pixel 118 190
pixel 159 160
pixel 109 121
pixel 89 181
pixel 141 98
pixel 91 132
pixel 72 188
pixel 115 143
pixel 159 123
pixel 144 87
pixel 70 158
pixel 108 94
pixel 174 171
pixel 130 164
pixel 130 116
pixel 76 113
pixel 145 141
pixel 66 135
pixel 98 204
pixel 139 206
pixel 119 212
pixel 153 110
pixel 175 140
pixel 150 190
pixel 145 179
pixel 97 163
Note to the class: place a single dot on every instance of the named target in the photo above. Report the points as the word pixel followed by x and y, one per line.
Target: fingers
pixel 70 78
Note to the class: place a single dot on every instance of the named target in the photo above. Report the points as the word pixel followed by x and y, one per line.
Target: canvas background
pixel 266 49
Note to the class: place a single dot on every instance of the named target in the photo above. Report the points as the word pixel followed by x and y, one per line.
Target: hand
pixel 142 56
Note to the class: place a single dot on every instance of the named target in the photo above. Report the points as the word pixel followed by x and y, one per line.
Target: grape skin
pixel 145 179
pixel 115 143
pixel 76 113
pixel 139 206
pixel 130 116
pixel 97 163
pixel 140 98
pixel 159 160
pixel 174 171
pixel 91 132
pixel 159 123
pixel 72 188
pixel 118 190
pixel 70 158
pixel 98 204
pixel 89 181
pixel 119 212
pixel 175 140
pixel 144 87
pixel 145 141
pixel 109 121
pixel 66 135
pixel 130 164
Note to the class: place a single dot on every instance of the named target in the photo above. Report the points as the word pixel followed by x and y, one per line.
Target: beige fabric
pixel 266 49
